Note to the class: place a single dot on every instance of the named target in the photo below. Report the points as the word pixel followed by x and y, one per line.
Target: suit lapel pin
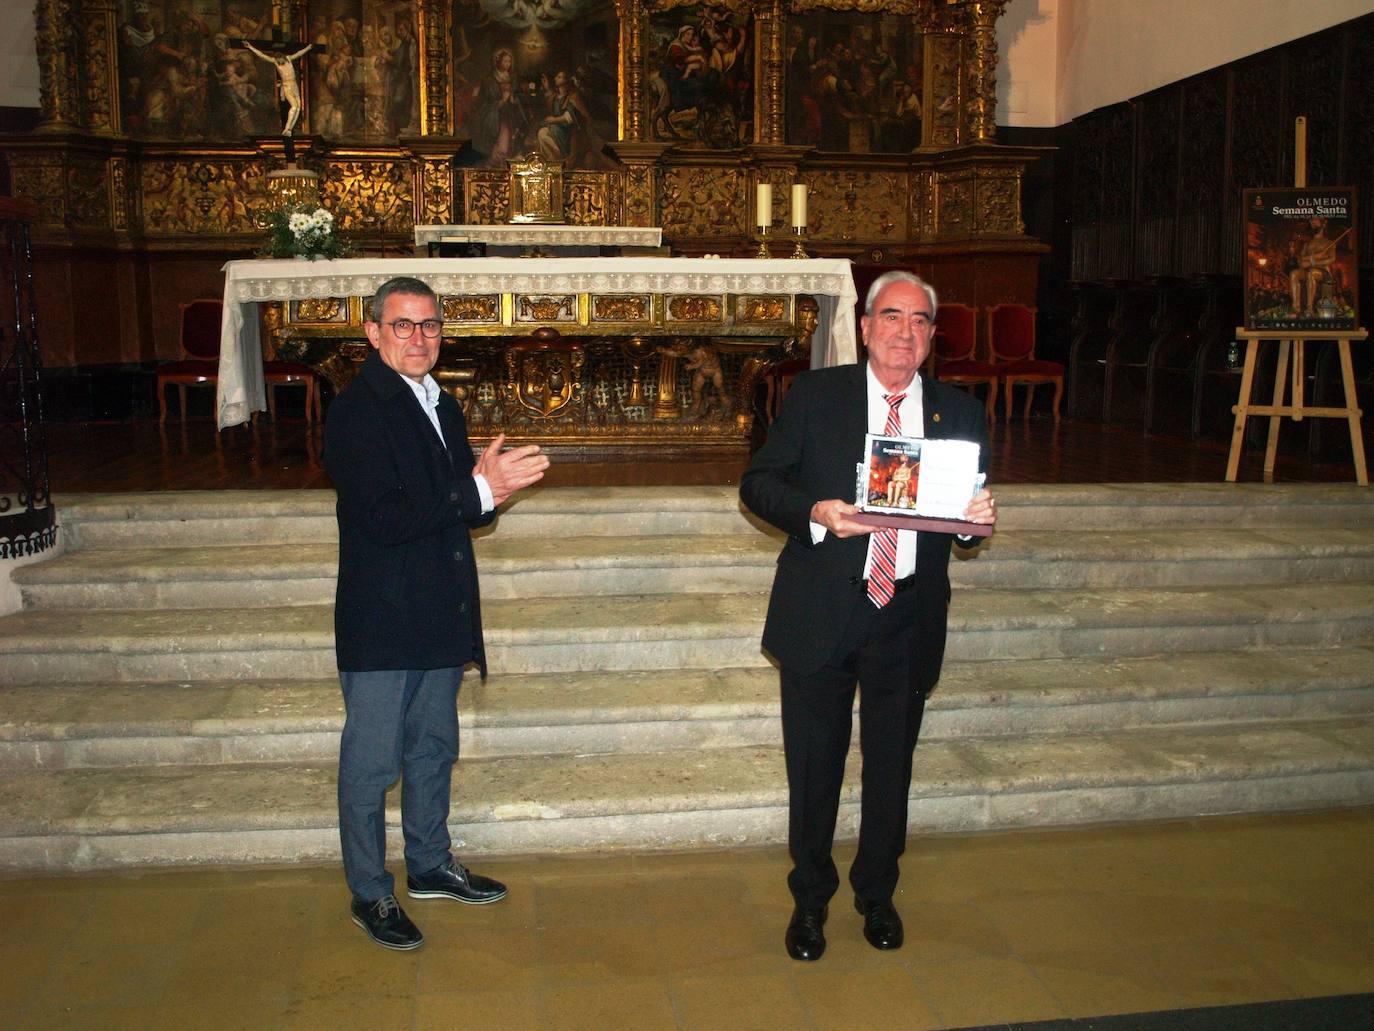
pixel 935 417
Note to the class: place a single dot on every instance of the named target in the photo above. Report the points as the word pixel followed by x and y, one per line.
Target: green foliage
pixel 299 230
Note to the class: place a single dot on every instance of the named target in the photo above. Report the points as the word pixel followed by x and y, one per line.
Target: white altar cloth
pixel 536 234
pixel 241 392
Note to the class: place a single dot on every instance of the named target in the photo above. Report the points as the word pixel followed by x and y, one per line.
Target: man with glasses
pixel 406 614
pixel 853 605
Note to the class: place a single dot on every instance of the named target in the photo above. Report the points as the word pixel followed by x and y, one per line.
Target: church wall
pixel 1146 272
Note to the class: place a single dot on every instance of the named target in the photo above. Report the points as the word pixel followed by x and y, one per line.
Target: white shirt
pixel 427 393
pixel 913 425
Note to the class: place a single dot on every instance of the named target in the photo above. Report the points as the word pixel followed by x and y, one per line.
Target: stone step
pixel 65 726
pixel 512 567
pixel 197 518
pixel 704 631
pixel 304 574
pixel 186 815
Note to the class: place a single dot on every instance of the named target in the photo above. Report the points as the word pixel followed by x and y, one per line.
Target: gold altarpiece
pixel 137 219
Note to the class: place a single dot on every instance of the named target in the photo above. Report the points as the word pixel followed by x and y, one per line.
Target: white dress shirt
pixel 427 393
pixel 913 425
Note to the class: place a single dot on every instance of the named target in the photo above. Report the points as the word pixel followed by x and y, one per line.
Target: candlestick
pixel 764 206
pixel 763 251
pixel 799 251
pixel 799 205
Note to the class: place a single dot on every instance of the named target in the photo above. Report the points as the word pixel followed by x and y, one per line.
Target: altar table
pixel 527 294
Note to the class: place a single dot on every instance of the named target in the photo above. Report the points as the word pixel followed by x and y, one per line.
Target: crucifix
pixel 282 53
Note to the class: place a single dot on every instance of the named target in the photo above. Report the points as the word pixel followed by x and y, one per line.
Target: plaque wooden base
pixel 930 525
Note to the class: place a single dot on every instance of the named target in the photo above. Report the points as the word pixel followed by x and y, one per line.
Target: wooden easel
pixel 1293 345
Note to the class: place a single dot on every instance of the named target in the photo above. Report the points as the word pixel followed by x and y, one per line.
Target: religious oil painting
pixel 204 70
pixel 855 82
pixel 536 77
pixel 1301 271
pixel 364 70
pixel 701 76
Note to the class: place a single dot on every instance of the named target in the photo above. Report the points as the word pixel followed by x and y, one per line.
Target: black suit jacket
pixel 407 593
pixel 810 455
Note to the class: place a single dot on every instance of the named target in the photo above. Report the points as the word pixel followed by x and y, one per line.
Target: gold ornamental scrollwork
pixel 704 201
pixel 762 309
pixel 695 309
pixel 546 309
pixel 620 308
pixel 998 205
pixel 486 196
pixel 370 194
pixel 982 69
pixel 954 205
pixel 436 192
pixel 58 83
pixel 586 199
pixel 545 380
pixel 858 205
pixel 320 309
pixel 472 308
pixel 210 196
pixel 100 89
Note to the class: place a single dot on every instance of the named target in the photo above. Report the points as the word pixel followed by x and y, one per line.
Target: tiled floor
pixel 1000 927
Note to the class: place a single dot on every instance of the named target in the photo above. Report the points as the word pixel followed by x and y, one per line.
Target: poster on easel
pixel 1301 269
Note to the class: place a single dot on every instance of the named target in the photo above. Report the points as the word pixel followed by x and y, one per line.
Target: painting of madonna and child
pixel 536 76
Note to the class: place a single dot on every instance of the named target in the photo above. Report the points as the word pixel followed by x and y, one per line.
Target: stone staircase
pixel 1124 652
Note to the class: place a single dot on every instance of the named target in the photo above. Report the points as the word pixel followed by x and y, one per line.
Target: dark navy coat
pixel 407 594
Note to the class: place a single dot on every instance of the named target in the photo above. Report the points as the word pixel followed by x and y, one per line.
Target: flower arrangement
pixel 302 231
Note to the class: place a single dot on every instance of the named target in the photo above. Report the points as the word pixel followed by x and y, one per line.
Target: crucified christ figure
pixel 287 84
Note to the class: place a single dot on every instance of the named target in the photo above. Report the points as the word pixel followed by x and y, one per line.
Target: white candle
pixel 764 206
pixel 799 205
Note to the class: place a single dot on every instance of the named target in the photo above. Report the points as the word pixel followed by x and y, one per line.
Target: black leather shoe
pixel 453 881
pixel 882 925
pixel 386 923
pixel 806 933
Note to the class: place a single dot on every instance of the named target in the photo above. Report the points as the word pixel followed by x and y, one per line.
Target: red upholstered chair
pixel 1011 341
pixel 281 374
pixel 200 343
pixel 956 338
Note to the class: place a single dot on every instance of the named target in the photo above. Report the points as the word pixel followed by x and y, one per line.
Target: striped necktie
pixel 883 569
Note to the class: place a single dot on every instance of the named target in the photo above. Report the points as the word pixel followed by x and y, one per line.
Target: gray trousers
pixel 400 724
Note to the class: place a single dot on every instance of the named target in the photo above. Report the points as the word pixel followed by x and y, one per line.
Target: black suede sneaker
pixel 453 881
pixel 386 923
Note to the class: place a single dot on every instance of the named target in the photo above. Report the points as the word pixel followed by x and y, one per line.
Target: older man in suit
pixel 853 605
pixel 406 614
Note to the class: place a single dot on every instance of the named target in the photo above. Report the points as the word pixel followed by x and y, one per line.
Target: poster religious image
pixel 1301 271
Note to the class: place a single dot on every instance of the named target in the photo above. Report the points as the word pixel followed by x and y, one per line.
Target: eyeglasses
pixel 405 328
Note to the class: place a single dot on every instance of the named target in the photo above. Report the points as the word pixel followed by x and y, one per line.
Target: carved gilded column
pixel 100 85
pixel 769 112
pixel 981 111
pixel 436 57
pixel 58 92
pixel 632 17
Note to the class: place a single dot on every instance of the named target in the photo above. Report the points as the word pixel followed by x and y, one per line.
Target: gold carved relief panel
pixel 706 202
pixel 370 194
pixel 199 196
pixel 856 205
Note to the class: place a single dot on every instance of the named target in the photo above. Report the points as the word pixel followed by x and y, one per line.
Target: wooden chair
pixel 956 338
pixel 200 332
pixel 1011 341
pixel 200 321
pixel 281 374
